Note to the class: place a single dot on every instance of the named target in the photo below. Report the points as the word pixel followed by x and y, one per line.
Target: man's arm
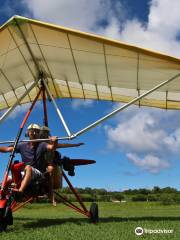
pixel 54 144
pixel 66 145
pixel 6 149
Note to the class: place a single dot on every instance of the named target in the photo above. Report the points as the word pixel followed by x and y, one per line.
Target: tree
pixel 118 196
pixel 156 189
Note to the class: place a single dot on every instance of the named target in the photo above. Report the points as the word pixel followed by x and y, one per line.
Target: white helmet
pixel 33 126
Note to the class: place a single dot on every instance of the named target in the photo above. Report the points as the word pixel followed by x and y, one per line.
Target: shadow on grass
pixel 41 223
pixel 135 219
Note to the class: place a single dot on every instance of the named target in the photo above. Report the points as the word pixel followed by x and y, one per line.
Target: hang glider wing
pixel 81 65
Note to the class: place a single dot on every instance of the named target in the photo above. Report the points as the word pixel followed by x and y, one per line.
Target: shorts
pixel 36 174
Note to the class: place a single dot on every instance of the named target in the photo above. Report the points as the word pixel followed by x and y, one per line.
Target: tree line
pixel 167 195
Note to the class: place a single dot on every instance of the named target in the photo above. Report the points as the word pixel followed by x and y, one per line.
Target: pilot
pixel 31 153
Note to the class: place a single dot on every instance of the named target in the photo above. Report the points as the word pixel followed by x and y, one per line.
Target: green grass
pixel 118 221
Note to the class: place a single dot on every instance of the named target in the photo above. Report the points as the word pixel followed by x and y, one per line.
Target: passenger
pixel 48 163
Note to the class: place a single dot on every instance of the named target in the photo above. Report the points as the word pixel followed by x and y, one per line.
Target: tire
pixel 94 213
pixel 9 217
pixel 3 220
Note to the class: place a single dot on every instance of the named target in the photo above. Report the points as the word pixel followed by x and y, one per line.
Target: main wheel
pixel 9 217
pixel 94 213
pixel 3 220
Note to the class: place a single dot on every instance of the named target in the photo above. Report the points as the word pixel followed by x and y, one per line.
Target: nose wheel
pixel 94 213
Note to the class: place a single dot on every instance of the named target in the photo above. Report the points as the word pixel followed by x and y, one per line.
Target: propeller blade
pixel 78 162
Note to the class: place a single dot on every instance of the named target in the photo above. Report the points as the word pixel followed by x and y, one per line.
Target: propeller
pixel 69 164
pixel 79 162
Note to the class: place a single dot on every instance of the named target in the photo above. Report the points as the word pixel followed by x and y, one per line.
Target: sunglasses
pixel 34 130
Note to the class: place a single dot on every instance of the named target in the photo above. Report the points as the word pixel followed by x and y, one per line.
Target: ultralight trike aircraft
pixel 40 60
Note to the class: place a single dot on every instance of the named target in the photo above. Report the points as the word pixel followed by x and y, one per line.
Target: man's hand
pixel 4 149
pixel 53 143
pixel 54 139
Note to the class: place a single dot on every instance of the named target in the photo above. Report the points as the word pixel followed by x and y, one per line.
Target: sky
pixel 137 148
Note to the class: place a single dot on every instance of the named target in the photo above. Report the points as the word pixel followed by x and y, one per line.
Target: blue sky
pixel 139 147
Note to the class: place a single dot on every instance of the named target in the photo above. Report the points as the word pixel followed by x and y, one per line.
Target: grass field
pixel 118 221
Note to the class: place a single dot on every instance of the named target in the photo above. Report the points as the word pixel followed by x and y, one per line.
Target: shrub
pixel 139 197
pixel 118 196
pixel 153 197
pixel 166 199
pixel 103 198
pixel 176 198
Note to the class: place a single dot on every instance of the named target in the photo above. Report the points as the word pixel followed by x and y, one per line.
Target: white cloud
pixel 159 33
pixel 145 130
pixel 21 109
pixel 18 110
pixel 149 163
pixel 138 133
pixel 137 34
pixel 164 17
pixel 172 141
pixel 80 103
pixel 146 133
pixel 81 14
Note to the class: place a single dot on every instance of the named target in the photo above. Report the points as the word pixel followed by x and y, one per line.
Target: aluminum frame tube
pixel 34 140
pixel 56 108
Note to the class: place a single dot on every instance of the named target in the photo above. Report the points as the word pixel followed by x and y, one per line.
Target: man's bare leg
pixel 26 179
pixel 50 170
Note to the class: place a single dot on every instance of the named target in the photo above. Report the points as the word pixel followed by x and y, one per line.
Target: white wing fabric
pixel 81 65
